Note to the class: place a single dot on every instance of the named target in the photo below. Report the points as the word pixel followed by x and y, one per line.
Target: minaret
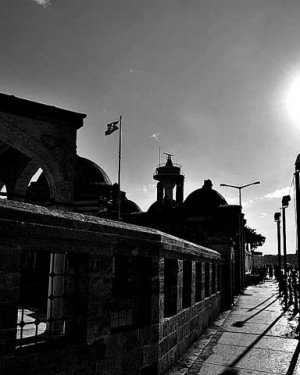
pixel 169 176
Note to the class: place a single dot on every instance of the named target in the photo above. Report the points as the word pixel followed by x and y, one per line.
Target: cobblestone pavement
pixel 256 337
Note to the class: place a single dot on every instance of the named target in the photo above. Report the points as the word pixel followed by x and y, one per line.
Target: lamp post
pixel 241 258
pixel 285 203
pixel 297 194
pixel 277 216
pixel 240 189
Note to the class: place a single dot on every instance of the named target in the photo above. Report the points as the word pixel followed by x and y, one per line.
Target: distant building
pixel 204 217
pixel 257 259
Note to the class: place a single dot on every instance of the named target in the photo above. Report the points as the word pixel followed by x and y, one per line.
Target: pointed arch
pixel 47 136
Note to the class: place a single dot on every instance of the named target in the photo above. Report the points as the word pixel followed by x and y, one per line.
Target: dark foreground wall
pixel 83 295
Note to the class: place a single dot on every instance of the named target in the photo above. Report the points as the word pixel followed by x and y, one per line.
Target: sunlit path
pixel 256 337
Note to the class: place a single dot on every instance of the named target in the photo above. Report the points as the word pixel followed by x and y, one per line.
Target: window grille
pixel 47 280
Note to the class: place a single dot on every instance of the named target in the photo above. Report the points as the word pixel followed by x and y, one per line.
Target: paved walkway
pixel 256 337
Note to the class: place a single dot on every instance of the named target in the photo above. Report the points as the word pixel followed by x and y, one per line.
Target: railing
pixel 48 293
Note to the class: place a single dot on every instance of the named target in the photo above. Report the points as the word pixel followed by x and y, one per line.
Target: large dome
pixel 87 171
pixel 204 199
pixel 92 188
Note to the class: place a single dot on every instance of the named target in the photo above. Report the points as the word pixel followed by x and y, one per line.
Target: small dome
pixel 204 199
pixel 128 207
pixel 167 204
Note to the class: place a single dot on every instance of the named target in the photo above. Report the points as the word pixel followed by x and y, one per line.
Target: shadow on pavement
pixel 294 359
pixel 242 322
pixel 255 307
pixel 247 350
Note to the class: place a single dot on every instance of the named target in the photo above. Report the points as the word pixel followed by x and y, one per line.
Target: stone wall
pixel 114 316
pixel 178 332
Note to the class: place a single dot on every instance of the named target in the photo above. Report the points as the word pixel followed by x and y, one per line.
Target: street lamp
pixel 240 189
pixel 297 194
pixel 277 216
pixel 241 255
pixel 285 203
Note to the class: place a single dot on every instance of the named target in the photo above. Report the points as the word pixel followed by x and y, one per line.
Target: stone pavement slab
pixel 256 359
pixel 267 342
pixel 208 369
pixel 256 337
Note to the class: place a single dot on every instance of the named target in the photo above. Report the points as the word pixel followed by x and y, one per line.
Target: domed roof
pixel 167 204
pixel 91 182
pixel 204 199
pixel 87 171
pixel 128 206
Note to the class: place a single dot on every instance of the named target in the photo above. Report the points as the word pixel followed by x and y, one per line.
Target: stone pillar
pixel 10 270
pixel 202 280
pixel 193 288
pixel 100 297
pixel 157 294
pixel 179 189
pixel 160 192
pixel 179 285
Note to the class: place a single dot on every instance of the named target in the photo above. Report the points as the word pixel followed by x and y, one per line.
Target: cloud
pixel 156 136
pixel 263 215
pixel 279 193
pixel 149 188
pixel 44 3
pixel 276 194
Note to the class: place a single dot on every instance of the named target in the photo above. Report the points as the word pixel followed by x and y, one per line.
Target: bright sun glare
pixel 292 100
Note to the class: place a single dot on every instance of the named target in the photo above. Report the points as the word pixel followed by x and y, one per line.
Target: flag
pixel 112 127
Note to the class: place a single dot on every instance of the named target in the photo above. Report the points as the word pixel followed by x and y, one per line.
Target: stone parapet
pixel 111 305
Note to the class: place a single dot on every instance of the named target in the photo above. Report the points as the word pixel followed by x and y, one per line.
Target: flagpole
pixel 159 154
pixel 119 169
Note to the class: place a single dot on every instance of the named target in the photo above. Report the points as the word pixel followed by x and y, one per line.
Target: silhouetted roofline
pixel 39 111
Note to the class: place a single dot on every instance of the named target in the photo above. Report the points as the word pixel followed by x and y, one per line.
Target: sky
pixel 214 82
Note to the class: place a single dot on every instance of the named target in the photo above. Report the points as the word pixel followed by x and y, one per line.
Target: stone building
pixel 83 294
pixel 36 136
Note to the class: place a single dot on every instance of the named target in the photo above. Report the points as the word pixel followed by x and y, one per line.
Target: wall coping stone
pixel 79 227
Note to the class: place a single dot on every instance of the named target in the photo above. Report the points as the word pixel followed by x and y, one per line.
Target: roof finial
pixel 207 185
